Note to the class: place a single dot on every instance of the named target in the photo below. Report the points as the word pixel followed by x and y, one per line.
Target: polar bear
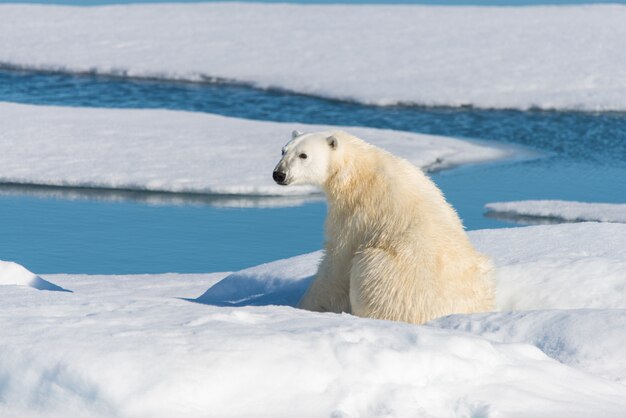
pixel 395 249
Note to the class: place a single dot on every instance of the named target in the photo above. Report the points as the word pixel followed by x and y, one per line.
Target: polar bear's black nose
pixel 279 177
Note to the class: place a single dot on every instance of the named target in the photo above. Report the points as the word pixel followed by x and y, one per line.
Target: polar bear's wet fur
pixel 395 249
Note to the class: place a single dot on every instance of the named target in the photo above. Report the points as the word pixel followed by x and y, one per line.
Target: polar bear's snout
pixel 279 177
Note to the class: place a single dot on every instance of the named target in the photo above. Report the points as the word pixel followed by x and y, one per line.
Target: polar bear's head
pixel 306 159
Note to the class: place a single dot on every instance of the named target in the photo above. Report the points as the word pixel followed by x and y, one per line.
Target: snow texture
pixel 14 274
pixel 139 346
pixel 161 150
pixel 496 57
pixel 587 339
pixel 535 211
pixel 281 282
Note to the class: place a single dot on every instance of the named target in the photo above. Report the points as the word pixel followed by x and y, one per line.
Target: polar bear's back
pixel 401 244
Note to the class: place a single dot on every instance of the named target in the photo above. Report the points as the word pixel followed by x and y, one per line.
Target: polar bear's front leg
pixel 376 290
pixel 366 296
pixel 385 286
pixel 328 292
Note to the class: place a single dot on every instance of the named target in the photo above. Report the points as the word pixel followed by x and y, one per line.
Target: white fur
pixel 395 249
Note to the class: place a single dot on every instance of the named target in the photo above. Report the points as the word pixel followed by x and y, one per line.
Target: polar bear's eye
pixel 303 156
pixel 282 152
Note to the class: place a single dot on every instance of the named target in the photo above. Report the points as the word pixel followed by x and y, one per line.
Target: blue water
pixel 583 158
pixel 428 2
pixel 573 136
pixel 91 236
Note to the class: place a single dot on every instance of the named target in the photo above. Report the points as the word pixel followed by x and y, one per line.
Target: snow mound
pixel 538 211
pixel 128 353
pixel 494 57
pixel 567 266
pixel 160 150
pixel 133 346
pixel 14 274
pixel 281 282
pixel 587 339
pixel 542 267
pixel 568 283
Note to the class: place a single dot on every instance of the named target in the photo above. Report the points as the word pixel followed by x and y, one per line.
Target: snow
pixel 232 344
pixel 161 150
pixel 536 211
pixel 587 339
pixel 568 266
pixel 14 274
pixel 281 282
pixel 161 345
pixel 382 54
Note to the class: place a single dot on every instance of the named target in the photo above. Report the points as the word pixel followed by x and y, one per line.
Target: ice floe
pixel 555 211
pixel 183 152
pixel 568 57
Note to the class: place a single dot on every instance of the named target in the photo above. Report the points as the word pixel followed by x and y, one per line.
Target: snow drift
pixel 14 274
pixel 587 339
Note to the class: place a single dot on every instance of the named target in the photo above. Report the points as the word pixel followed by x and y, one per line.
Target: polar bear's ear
pixel 295 134
pixel 332 141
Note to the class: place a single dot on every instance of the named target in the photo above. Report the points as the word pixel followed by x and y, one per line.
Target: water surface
pixel 424 2
pixel 92 231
